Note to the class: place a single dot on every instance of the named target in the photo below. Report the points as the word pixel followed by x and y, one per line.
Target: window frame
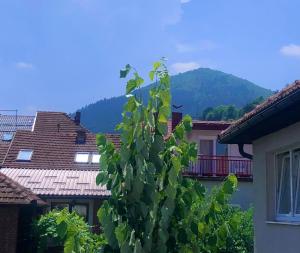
pixel 18 159
pixel 92 157
pixel 85 153
pixel 292 216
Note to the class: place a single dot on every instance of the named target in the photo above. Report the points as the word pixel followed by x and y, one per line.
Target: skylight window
pixel 7 136
pixel 25 155
pixel 82 157
pixel 95 158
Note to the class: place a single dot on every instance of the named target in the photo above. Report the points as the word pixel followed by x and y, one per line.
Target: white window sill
pixel 290 223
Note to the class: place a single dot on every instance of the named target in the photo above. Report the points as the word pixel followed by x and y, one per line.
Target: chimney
pixel 81 137
pixel 77 118
pixel 176 119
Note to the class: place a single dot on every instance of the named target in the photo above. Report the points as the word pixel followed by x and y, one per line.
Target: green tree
pixel 149 207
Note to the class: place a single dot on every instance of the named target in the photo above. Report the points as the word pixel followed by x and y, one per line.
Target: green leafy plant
pixel 69 230
pixel 152 207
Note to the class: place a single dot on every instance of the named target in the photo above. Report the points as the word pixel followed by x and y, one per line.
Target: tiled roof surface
pixel 53 141
pixel 210 125
pixel 263 106
pixel 58 182
pixel 12 192
pixel 55 122
pixel 4 145
pixel 11 123
pixel 115 139
pixel 52 150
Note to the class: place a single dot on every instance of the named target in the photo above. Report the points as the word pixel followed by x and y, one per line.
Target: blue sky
pixel 63 54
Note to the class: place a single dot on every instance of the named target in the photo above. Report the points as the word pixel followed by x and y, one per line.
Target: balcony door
pixel 206 151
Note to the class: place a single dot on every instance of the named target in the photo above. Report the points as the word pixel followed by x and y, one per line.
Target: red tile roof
pixel 52 150
pixel 55 122
pixel 12 192
pixel 210 125
pixel 271 101
pixel 58 182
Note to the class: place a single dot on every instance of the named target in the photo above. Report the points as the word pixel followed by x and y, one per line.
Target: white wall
pixel 272 236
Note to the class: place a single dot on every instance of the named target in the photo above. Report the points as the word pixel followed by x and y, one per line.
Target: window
pixel 81 210
pixel 25 155
pixel 60 206
pixel 287 186
pixel 7 136
pixel 95 158
pixel 221 149
pixel 82 157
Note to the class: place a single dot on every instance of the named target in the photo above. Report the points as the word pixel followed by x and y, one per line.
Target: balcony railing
pixel 220 166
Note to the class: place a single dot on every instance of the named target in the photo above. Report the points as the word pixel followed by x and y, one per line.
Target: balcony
pixel 218 167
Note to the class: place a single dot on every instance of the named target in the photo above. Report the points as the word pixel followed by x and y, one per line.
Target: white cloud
pixel 184 1
pixel 180 67
pixel 24 65
pixel 291 50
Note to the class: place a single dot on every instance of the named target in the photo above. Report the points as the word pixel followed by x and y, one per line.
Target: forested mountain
pixel 229 112
pixel 196 90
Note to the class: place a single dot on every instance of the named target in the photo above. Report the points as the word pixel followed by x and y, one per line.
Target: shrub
pixel 69 230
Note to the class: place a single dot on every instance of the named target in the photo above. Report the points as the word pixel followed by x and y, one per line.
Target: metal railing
pixel 220 166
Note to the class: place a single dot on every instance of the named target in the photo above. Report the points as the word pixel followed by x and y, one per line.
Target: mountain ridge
pixel 195 90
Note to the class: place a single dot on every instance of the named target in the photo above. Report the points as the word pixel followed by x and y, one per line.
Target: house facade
pixel 16 205
pixel 215 160
pixel 57 159
pixel 274 130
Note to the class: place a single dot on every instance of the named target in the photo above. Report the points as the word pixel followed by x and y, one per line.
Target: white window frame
pixel 292 216
pixel 82 153
pixel 24 150
pixel 92 158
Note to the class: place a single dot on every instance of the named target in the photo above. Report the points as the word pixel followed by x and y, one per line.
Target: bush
pixel 68 230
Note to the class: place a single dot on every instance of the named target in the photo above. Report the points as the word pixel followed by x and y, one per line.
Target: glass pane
pixel 96 158
pixel 296 179
pixel 60 206
pixel 24 155
pixel 221 149
pixel 82 210
pixel 283 186
pixel 7 136
pixel 82 157
pixel 206 147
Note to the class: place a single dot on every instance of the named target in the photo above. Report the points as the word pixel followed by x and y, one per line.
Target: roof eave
pixel 232 136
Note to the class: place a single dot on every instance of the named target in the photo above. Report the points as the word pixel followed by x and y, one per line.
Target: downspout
pixel 243 153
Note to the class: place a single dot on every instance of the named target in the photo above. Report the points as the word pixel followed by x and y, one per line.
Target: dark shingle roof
pixel 13 193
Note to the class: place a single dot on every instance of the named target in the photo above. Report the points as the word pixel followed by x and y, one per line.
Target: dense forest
pixel 195 90
pixel 229 112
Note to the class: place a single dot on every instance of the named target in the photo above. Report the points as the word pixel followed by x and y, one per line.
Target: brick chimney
pixel 176 119
pixel 77 118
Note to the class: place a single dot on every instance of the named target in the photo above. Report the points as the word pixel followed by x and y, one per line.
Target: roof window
pixel 95 158
pixel 7 136
pixel 25 155
pixel 82 157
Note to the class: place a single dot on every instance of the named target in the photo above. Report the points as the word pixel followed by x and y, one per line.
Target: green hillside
pixel 195 90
